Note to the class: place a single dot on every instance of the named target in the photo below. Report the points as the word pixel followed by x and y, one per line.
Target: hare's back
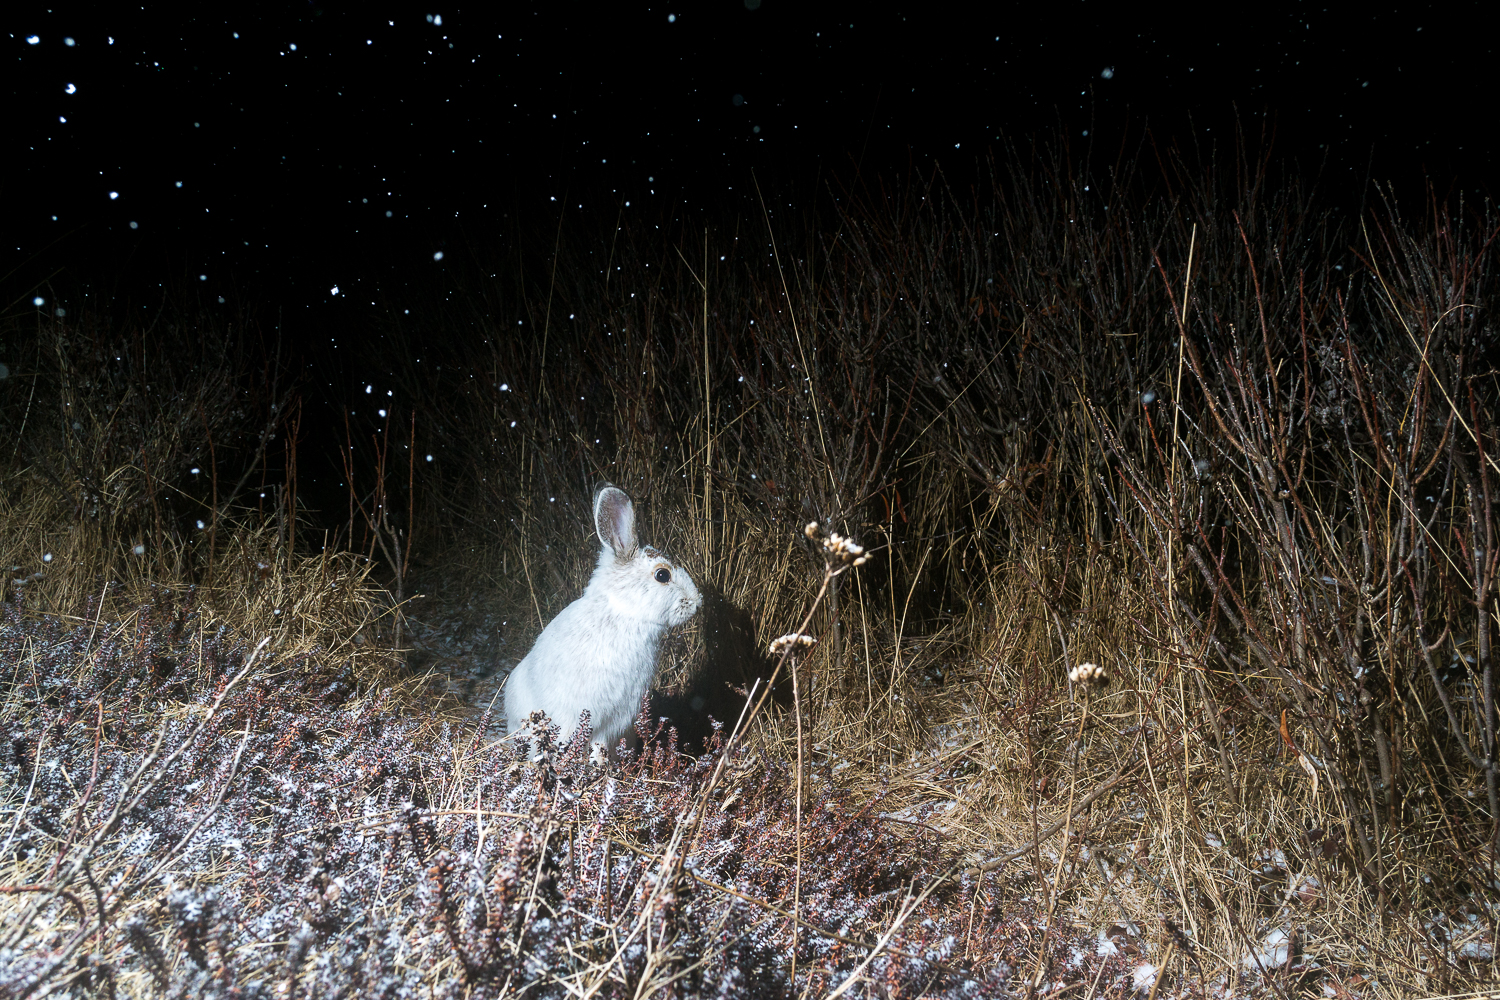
pixel 586 659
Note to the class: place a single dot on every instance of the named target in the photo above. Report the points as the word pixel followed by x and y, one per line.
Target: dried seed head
pixel 839 549
pixel 782 643
pixel 1086 675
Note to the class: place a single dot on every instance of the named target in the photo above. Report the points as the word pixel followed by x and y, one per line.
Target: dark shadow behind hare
pixel 733 665
pixel 599 654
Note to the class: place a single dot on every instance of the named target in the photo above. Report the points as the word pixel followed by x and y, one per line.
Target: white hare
pixel 599 653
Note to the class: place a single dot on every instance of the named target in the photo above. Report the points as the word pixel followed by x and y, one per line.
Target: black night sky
pixel 279 150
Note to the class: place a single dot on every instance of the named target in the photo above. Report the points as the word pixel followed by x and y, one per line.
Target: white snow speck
pixel 71 89
pixel 114 195
pixel 1107 73
pixel 334 290
pixel 1144 976
pixel 438 255
pixel 33 39
pixel 1274 950
pixel 139 550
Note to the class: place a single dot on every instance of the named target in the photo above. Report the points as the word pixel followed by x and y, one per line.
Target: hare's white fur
pixel 599 653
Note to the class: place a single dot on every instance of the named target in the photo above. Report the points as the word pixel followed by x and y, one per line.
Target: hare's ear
pixel 614 520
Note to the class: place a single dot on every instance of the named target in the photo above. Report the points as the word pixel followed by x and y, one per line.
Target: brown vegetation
pixel 1237 449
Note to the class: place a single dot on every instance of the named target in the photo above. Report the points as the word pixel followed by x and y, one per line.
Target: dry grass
pixel 1235 448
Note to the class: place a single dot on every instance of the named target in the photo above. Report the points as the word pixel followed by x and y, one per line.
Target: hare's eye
pixel 663 575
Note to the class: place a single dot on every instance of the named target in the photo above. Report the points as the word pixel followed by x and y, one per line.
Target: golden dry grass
pixel 1232 447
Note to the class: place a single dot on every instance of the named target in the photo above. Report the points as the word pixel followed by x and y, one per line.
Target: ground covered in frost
pixel 184 815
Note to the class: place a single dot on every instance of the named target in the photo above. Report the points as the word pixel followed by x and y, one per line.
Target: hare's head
pixel 639 581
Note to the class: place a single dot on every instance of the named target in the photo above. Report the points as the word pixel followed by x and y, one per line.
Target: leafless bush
pixel 135 448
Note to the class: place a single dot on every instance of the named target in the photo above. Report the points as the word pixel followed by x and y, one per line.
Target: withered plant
pixel 1179 418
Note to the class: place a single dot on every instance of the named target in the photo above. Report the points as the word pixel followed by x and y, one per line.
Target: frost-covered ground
pixel 175 824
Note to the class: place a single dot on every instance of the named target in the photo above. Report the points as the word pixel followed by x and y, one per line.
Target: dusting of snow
pixel 1144 976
